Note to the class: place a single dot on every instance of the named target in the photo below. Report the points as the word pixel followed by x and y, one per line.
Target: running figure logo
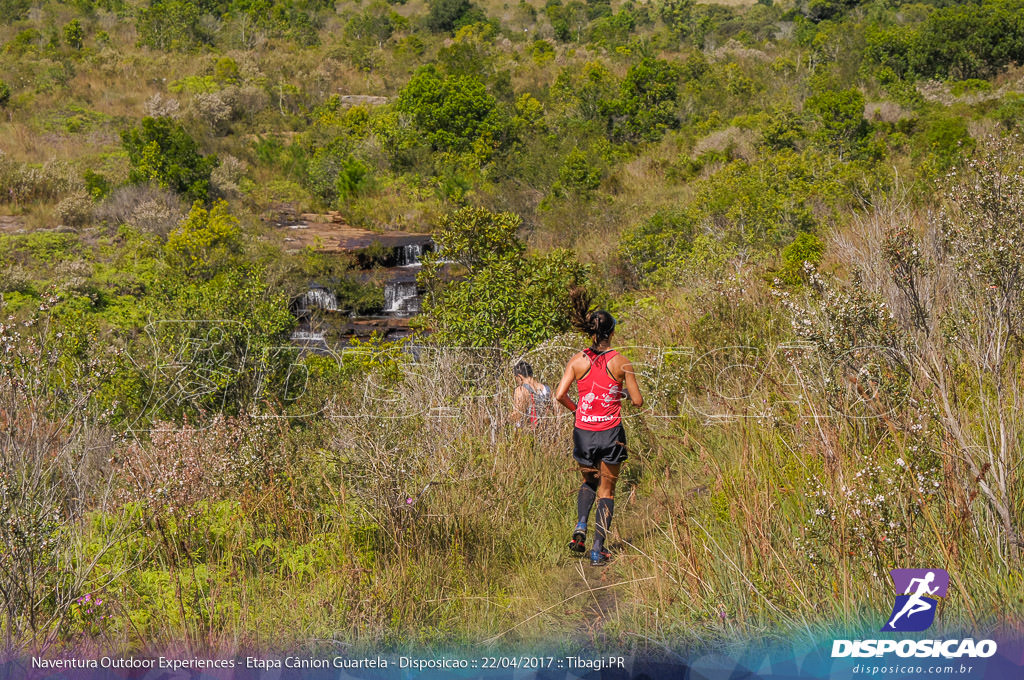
pixel 918 595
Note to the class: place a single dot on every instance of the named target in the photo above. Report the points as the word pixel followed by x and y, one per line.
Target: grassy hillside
pixel 806 216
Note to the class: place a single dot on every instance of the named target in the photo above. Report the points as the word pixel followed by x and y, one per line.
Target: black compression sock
pixel 585 500
pixel 603 520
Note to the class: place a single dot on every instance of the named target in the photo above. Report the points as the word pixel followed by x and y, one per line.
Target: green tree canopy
pixel 647 103
pixel 456 113
pixel 841 115
pixel 206 242
pixel 507 298
pixel 444 15
pixel 161 150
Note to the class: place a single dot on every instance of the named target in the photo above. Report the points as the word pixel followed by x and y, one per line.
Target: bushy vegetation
pixel 822 193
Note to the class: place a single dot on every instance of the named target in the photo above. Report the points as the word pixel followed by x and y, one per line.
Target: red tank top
pixel 600 395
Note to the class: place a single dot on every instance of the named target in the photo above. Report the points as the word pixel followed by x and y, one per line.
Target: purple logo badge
pixel 917 596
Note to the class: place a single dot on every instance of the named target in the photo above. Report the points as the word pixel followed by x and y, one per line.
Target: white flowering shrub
pixel 926 347
pixel 52 454
pixel 23 184
pixel 75 210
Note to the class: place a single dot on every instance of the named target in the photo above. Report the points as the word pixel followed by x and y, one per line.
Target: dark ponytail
pixel 598 324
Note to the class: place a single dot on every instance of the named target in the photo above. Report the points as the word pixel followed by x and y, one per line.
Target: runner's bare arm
pixel 521 404
pixel 562 391
pixel 631 385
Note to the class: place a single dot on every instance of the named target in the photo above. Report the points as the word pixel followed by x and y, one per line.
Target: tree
pixel 445 14
pixel 162 151
pixel 970 40
pixel 588 92
pixel 841 116
pixel 647 101
pixel 677 15
pixel 507 298
pixel 170 25
pixel 456 113
pixel 74 36
pixel 206 242
pixel 959 41
pixel 13 10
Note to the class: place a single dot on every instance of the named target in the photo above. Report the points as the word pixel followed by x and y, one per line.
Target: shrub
pixel 161 150
pixel 159 106
pixel 170 25
pixel 144 206
pixel 50 472
pixel 25 184
pixel 75 210
pixel 206 242
pixel 579 174
pixel 647 102
pixel 661 241
pixel 804 248
pixel 227 178
pixel 959 41
pixel 444 15
pixel 840 114
pixel 677 15
pixel 941 141
pixel 588 92
pixel 508 299
pixel 74 35
pixel 454 112
pixel 5 93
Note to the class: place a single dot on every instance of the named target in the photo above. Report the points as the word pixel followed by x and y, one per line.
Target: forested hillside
pixel 807 217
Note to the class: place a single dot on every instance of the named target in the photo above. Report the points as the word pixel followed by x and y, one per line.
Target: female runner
pixel 599 440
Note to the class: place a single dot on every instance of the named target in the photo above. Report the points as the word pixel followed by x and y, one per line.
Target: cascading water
pixel 307 336
pixel 401 297
pixel 320 298
pixel 409 255
pixel 323 321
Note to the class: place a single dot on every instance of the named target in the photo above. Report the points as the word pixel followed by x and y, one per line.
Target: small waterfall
pixel 307 336
pixel 320 298
pixel 401 297
pixel 410 254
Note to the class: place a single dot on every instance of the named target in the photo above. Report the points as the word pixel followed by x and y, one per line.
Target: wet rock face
pixel 392 258
pixel 401 298
pixel 318 298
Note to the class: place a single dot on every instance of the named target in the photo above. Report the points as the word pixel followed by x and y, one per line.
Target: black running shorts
pixel 589 447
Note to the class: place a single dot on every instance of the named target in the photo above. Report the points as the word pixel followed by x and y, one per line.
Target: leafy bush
pixel 659 242
pixel 206 242
pixel 940 141
pixel 97 186
pixel 961 41
pixel 455 113
pixel 646 107
pixel 804 248
pixel 13 10
pixel 840 114
pixel 162 151
pixel 445 15
pixel 588 92
pixel 74 34
pixel 677 15
pixel 170 25
pixel 507 299
pixel 579 174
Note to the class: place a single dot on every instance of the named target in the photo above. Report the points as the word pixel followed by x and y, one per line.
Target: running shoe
pixel 579 538
pixel 599 558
